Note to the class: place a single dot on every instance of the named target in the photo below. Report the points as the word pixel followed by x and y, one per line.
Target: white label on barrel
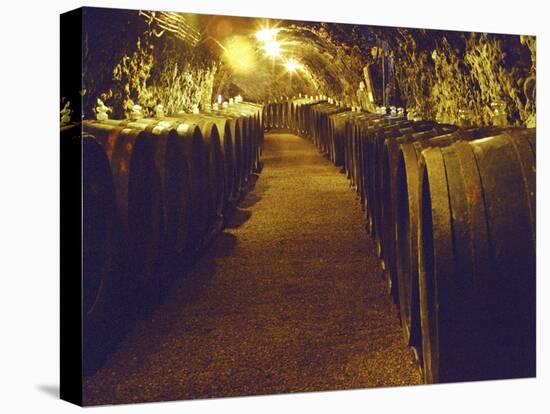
pixel 183 128
pixel 165 124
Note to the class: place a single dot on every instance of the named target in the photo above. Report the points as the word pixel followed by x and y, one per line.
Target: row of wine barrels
pixel 278 115
pixel 137 184
pixel 383 176
pixel 453 212
pixel 288 114
pixel 385 164
pixel 101 265
pixel 240 136
pixel 191 152
pixel 338 129
pixel 300 122
pixel 253 113
pixel 359 165
pixel 404 201
pixel 152 190
pixel 100 221
pixel 216 134
pixel 322 126
pixel 353 156
pixel 477 272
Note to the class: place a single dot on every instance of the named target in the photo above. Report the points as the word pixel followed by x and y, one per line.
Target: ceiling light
pixel 266 35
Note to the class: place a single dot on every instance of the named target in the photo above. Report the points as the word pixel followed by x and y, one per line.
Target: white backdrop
pixel 29 207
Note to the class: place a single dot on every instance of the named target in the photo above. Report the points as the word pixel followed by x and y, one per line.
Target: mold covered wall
pixel 466 78
pixel 456 77
pixel 138 60
pixel 143 58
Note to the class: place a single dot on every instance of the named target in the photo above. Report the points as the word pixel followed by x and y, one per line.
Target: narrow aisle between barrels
pixel 289 298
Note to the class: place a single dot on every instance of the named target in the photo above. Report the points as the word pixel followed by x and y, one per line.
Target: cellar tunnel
pixel 276 206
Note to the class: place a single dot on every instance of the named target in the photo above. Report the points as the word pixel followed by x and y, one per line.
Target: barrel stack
pixel 155 191
pixel 452 211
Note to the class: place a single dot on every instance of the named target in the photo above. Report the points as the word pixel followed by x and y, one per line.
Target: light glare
pixel 272 49
pixel 292 65
pixel 239 54
pixel 266 35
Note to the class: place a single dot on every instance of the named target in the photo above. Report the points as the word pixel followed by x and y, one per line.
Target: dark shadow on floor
pixel 250 200
pixel 51 389
pixel 223 245
pixel 238 218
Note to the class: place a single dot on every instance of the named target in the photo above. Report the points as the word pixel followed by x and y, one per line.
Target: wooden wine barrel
pixel 236 155
pixel 314 125
pixel 174 166
pixel 363 171
pixel 228 127
pixel 364 126
pixel 254 133
pixel 295 114
pixel 325 125
pixel 212 141
pixel 373 145
pixel 216 163
pixel 277 113
pixel 242 146
pixel 138 196
pixel 255 112
pixel 351 131
pixel 308 118
pixel 365 160
pixel 101 261
pixel 351 149
pixel 338 129
pixel 175 175
pixel 318 125
pixel 196 152
pixel 361 176
pixel 102 277
pixel 273 115
pixel 285 115
pixel 386 164
pixel 299 117
pixel 265 116
pixel 249 136
pixel 405 206
pixel 301 120
pixel 280 114
pixel 477 259
pixel 291 115
pixel 249 146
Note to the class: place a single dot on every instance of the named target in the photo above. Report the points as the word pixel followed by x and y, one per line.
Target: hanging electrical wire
pixel 175 23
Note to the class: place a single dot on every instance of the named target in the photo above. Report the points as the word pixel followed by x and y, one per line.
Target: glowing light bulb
pixel 266 35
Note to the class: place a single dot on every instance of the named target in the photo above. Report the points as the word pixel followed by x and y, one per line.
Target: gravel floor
pixel 290 298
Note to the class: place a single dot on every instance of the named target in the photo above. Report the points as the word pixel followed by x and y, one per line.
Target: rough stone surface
pixel 290 298
pixel 183 61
